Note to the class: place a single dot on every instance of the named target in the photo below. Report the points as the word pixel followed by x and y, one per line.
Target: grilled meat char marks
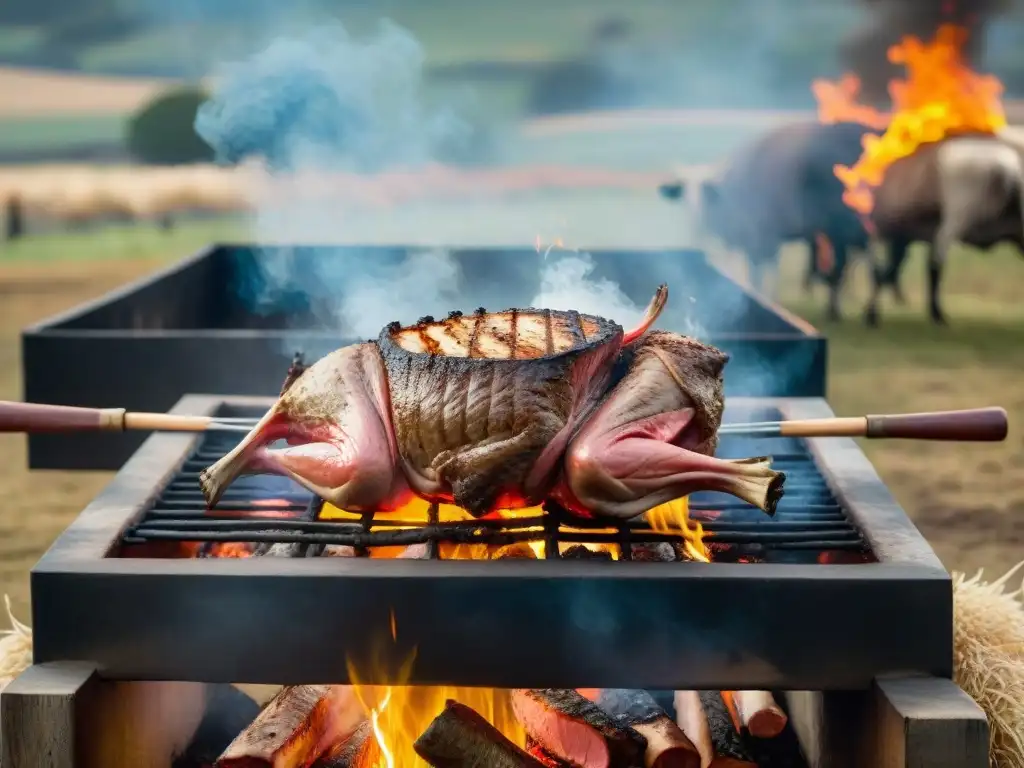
pixel 483 404
pixel 652 437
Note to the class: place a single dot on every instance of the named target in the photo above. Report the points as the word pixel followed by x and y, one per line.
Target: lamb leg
pixel 623 477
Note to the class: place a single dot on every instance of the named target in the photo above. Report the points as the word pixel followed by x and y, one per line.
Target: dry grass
pixel 79 193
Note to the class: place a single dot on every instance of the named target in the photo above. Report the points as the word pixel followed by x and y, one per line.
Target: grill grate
pixel 273 515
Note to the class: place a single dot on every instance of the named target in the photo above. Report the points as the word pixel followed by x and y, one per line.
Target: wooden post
pixel 902 722
pixel 927 721
pixel 62 715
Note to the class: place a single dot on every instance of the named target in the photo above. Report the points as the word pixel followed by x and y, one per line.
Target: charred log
pixel 582 552
pixel 656 552
pixel 667 745
pixel 356 751
pixel 295 728
pixel 574 729
pixel 460 738
pixel 519 551
pixel 756 712
pixel 729 747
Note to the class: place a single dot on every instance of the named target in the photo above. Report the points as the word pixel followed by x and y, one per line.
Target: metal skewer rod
pixel 974 425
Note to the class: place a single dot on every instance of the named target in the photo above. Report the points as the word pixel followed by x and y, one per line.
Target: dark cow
pixel 781 188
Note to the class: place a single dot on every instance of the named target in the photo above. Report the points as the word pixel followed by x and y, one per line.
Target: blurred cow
pixel 966 189
pixel 781 188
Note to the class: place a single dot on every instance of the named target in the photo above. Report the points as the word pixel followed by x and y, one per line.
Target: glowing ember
pixel 940 97
pixel 231 549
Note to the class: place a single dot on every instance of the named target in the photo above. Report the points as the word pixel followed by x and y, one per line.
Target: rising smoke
pixel 313 104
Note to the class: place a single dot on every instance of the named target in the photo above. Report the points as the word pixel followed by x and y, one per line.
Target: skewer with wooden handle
pixel 37 418
pixel 974 425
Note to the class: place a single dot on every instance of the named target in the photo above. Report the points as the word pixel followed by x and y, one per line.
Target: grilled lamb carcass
pixel 652 438
pixel 479 410
pixel 474 410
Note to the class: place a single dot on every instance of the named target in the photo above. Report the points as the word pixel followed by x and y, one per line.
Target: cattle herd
pixel 782 188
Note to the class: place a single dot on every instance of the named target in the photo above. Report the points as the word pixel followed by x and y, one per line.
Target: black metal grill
pixel 275 516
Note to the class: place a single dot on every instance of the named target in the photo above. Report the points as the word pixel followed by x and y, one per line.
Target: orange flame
pixel 940 97
pixel 399 713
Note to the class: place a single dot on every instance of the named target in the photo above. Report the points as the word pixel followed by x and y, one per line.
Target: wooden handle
pixel 982 425
pixel 38 418
pixel 33 417
pixel 974 425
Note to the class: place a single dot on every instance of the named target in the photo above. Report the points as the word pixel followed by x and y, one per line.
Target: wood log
pixel 730 751
pixel 574 729
pixel 357 751
pixel 519 551
pixel 301 723
pixel 459 737
pixel 756 711
pixel 667 745
pixel 693 722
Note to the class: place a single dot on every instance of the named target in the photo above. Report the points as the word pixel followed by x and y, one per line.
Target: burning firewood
pixel 667 745
pixel 574 729
pixel 355 752
pixel 730 751
pixel 756 711
pixel 296 727
pixel 693 722
pixel 460 738
pixel 519 551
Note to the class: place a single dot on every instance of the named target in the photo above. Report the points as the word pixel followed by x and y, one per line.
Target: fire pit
pixel 191 328
pixel 687 619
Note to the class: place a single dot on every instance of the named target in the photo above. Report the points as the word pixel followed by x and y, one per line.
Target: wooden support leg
pixel 927 721
pixel 62 715
pixel 902 722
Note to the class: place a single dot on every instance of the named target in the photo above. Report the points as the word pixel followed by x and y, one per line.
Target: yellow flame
pixel 674 517
pixel 941 96
pixel 400 713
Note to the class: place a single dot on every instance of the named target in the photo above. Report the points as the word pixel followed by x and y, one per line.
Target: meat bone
pixel 972 425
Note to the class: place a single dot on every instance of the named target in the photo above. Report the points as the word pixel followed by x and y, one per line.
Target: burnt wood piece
pixel 582 552
pixel 518 551
pixel 357 751
pixel 755 711
pixel 656 552
pixel 730 750
pixel 295 728
pixel 667 745
pixel 572 727
pixel 460 737
pixel 228 712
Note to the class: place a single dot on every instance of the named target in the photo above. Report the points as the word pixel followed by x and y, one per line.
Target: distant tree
pixel 163 133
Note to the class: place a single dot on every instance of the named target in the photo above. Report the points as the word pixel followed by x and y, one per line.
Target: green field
pixel 39 134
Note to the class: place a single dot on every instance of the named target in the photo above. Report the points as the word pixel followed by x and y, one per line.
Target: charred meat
pixel 503 410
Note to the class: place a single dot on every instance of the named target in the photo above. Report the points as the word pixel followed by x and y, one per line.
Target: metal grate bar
pixel 276 516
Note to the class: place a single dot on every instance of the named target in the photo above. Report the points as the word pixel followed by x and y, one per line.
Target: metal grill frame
pixel 509 623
